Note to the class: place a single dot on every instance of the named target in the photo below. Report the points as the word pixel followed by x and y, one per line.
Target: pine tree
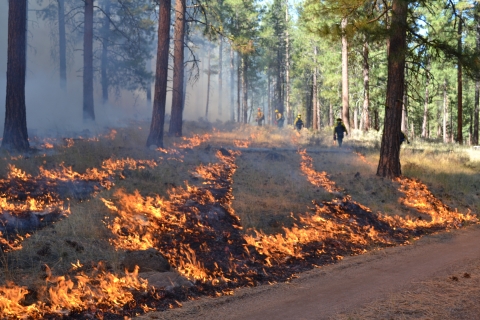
pixel 15 135
pixel 155 136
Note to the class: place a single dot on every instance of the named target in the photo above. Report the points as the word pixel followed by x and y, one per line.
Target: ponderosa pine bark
pixel 245 88
pixel 288 111
pixel 88 106
pixel 476 110
pixel 104 59
pixel 176 119
pixel 15 135
pixel 389 163
pixel 220 71
pixel 366 89
pixel 239 85
pixel 209 72
pixel 232 84
pixel 155 136
pixel 459 88
pixel 445 111
pixel 62 44
pixel 425 124
pixel 345 90
pixel 315 90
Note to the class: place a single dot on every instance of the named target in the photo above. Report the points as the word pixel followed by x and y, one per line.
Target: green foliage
pixel 128 39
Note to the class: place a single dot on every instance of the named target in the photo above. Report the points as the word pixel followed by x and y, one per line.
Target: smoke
pixel 51 110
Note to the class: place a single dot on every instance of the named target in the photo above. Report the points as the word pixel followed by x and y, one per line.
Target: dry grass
pixel 268 187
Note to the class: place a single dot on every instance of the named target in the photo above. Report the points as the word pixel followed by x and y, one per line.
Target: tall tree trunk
pixel 425 128
pixel 239 87
pixel 330 114
pixel 404 124
pixel 445 111
pixel 319 117
pixel 245 87
pixel 88 106
pixel 460 88
pixel 176 118
pixel 15 135
pixel 314 99
pixel 477 82
pixel 476 113
pixel 104 61
pixel 232 84
pixel 62 44
pixel 389 163
pixel 209 72
pixel 278 85
pixel 287 68
pixel 345 90
pixel 155 136
pixel 269 99
pixel 220 69
pixel 366 88
pixel 148 67
pixel 309 111
pixel 355 117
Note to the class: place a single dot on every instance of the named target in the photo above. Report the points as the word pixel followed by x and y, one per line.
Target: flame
pixel 26 195
pixel 141 222
pixel 15 173
pixel 69 142
pixel 316 178
pixel 345 226
pixel 241 143
pixel 47 145
pixel 418 196
pixel 62 294
pixel 192 142
pixel 111 165
pixel 112 134
pixel 362 157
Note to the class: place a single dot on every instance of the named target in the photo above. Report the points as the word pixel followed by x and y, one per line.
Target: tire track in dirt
pixel 347 285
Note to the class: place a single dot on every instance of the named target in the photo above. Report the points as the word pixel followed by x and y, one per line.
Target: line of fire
pixel 194 229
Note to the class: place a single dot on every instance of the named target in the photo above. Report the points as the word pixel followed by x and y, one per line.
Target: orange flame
pixel 241 143
pixel 316 178
pixel 192 142
pixel 61 294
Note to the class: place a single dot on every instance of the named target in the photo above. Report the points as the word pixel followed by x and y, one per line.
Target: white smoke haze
pixel 52 111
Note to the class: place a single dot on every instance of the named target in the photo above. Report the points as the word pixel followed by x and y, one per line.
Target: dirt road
pixel 350 284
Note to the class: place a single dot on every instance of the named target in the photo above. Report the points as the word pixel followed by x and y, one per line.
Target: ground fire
pixel 196 229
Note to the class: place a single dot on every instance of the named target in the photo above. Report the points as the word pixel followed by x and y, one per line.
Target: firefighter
pixel 279 119
pixel 338 132
pixel 260 117
pixel 403 137
pixel 298 122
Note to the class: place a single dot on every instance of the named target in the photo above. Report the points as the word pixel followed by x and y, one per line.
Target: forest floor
pixel 327 238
